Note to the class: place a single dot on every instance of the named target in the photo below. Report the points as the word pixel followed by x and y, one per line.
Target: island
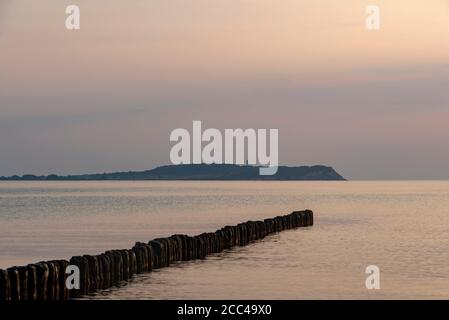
pixel 197 172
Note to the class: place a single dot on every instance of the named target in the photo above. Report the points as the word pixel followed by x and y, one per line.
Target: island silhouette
pixel 197 172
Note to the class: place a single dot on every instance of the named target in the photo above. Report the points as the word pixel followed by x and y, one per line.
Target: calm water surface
pixel 402 227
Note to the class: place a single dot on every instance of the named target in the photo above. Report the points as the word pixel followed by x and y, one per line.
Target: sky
pixel 372 104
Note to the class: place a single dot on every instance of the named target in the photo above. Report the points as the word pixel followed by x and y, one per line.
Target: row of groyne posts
pixel 47 280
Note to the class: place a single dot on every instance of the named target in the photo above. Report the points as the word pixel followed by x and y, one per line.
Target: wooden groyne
pixel 46 280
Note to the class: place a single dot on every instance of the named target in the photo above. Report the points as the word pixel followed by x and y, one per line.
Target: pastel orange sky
pixel 373 104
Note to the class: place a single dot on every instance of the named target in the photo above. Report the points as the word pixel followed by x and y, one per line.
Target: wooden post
pixel 5 293
pixel 14 283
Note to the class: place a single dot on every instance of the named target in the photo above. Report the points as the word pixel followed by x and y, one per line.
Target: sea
pixel 400 227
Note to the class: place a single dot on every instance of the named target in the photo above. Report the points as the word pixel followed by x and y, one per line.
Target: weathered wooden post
pixel 179 247
pixel 159 253
pixel 94 272
pixel 213 241
pixel 268 226
pixel 199 247
pixel 106 264
pixel 63 290
pixel 132 263
pixel 219 237
pixel 14 283
pixel 101 272
pixel 126 264
pixel 83 265
pixel 41 280
pixel 310 216
pixel 23 281
pixel 5 293
pixel 191 245
pixel 174 255
pixel 53 280
pixel 182 243
pixel 166 251
pixel 117 265
pixel 143 257
pixel 31 283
